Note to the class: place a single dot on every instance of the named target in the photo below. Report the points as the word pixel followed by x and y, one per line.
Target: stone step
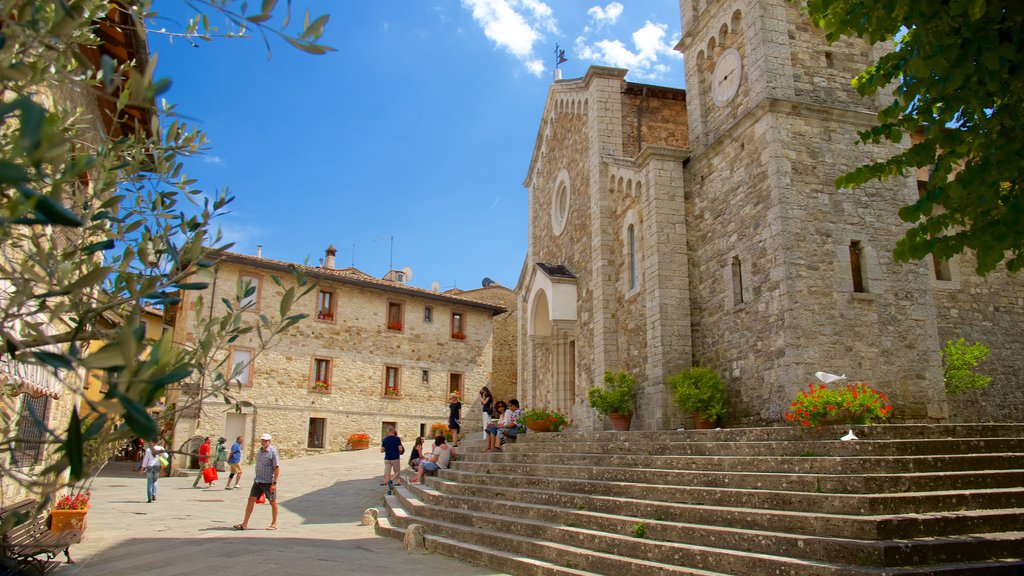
pixel 796 433
pixel 651 556
pixel 484 555
pixel 851 504
pixel 801 464
pixel 796 448
pixel 805 522
pixel 814 547
pixel 799 482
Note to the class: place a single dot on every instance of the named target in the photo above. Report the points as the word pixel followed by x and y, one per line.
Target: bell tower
pixel 791 275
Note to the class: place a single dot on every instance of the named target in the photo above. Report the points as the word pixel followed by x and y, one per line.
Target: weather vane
pixel 559 56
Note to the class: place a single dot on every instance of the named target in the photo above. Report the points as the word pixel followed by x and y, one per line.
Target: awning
pixel 30 379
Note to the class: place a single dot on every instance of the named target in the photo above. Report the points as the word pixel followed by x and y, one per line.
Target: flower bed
pixel 359 441
pixel 855 403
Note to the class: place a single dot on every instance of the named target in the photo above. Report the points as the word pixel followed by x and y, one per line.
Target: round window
pixel 560 208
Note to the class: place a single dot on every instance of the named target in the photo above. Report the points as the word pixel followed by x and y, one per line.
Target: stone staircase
pixel 903 499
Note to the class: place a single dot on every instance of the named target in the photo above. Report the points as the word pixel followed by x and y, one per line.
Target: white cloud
pixel 213 159
pixel 650 45
pixel 515 26
pixel 607 15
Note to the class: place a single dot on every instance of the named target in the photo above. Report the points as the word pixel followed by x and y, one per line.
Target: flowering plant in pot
pixel 440 429
pixel 69 512
pixel 615 400
pixel 855 403
pixel 359 441
pixel 700 391
pixel 544 420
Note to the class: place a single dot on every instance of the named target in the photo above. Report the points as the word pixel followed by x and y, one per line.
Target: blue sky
pixel 420 127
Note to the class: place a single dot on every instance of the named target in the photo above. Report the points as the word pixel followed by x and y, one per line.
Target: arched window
pixel 631 240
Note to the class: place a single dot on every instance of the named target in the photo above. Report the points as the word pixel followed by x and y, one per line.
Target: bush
pixel 701 391
pixel 558 420
pixel 959 359
pixel 853 404
pixel 617 395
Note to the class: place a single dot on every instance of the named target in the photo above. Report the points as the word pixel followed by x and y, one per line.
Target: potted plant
pixel 69 512
pixel 615 400
pixel 544 420
pixel 440 429
pixel 700 391
pixel 359 441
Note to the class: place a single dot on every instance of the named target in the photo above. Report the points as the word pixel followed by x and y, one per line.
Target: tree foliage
pixel 98 219
pixel 959 361
pixel 958 73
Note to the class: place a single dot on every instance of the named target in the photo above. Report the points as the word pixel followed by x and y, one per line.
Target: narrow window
pixel 391 381
pixel 321 375
pixel 428 314
pixel 32 417
pixel 395 316
pixel 325 305
pixel 856 266
pixel 455 383
pixel 250 286
pixel 631 241
pixel 458 326
pixel 423 430
pixel 941 268
pixel 241 367
pixel 145 327
pixel 737 281
pixel 426 377
pixel 317 426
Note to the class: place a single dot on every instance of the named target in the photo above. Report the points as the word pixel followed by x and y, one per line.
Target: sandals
pixel 239 527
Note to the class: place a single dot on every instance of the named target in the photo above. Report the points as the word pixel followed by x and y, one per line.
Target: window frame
pixel 398 327
pixel 231 366
pixel 26 453
pixel 462 334
pixel 398 382
pixel 331 314
pixel 258 280
pixel 314 383
pixel 323 433
pixel 428 314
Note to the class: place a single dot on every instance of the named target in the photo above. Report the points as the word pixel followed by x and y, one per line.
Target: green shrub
pixel 617 395
pixel 959 359
pixel 701 391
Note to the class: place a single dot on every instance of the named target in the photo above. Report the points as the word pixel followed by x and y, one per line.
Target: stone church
pixel 669 228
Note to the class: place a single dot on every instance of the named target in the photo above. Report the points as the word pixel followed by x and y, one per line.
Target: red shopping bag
pixel 209 474
pixel 262 499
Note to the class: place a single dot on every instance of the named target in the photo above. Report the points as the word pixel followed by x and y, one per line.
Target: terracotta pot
pixel 620 423
pixel 61 520
pixel 360 444
pixel 702 424
pixel 539 425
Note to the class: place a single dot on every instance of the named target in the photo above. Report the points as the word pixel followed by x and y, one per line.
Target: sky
pixel 408 146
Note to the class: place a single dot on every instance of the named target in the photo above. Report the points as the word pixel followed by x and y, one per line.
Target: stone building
pixel 669 228
pixel 371 353
pixel 504 377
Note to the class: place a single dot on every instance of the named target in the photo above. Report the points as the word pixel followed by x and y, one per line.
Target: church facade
pixel 673 228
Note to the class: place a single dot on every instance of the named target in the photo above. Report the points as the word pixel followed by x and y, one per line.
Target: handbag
pixel 262 499
pixel 209 474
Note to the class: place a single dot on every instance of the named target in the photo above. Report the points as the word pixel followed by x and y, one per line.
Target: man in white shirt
pixel 151 465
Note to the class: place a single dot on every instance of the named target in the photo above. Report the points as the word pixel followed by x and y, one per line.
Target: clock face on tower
pixel 725 80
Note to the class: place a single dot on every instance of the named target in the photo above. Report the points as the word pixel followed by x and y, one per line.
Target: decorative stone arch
pixel 549 376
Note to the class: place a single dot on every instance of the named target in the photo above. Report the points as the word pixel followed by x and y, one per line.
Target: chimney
pixel 329 261
pixel 259 250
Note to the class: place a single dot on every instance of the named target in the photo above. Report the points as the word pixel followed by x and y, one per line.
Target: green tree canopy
pixel 958 74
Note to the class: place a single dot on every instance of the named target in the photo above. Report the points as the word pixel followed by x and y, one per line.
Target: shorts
pixel 453 424
pixel 393 466
pixel 260 488
pixel 492 429
pixel 429 466
pixel 236 468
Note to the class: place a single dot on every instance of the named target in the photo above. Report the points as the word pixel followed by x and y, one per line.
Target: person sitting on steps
pixel 493 442
pixel 438 459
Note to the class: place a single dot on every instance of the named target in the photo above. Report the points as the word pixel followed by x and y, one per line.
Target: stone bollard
pixel 370 517
pixel 414 538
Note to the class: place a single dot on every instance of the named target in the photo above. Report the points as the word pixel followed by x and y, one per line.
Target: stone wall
pixel 359 346
pixel 504 373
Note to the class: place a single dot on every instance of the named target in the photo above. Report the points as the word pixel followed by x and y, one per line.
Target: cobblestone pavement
pixel 188 531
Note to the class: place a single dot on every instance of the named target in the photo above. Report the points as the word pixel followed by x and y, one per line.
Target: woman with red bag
pixel 206 470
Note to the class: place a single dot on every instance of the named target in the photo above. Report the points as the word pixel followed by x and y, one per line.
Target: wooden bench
pixel 29 537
